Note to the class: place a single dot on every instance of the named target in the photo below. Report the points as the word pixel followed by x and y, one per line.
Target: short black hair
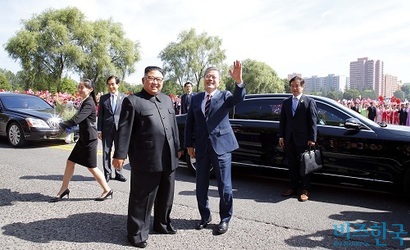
pixel 188 82
pixel 296 78
pixel 117 80
pixel 153 68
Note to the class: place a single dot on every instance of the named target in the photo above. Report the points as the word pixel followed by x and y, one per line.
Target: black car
pixel 27 117
pixel 355 149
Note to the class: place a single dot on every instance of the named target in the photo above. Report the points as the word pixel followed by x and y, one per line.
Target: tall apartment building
pixel 390 85
pixel 366 74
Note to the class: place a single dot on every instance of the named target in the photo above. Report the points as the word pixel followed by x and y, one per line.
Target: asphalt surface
pixel 262 219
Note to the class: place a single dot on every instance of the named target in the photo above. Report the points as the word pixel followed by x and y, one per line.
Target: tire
pixel 191 163
pixel 15 135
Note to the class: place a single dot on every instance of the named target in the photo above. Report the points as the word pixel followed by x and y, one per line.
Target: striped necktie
pixel 207 105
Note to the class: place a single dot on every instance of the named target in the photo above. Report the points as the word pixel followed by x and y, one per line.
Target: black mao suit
pixel 107 124
pixel 297 130
pixel 148 133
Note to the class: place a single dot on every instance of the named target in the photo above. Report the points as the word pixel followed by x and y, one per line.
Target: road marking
pixel 70 147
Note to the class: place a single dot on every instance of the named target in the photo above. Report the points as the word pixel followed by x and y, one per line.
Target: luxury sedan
pixel 26 118
pixel 355 149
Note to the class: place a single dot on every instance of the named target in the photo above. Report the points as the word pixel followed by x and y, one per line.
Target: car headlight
pixel 36 123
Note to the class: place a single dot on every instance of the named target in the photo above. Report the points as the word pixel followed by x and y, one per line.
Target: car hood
pixel 43 114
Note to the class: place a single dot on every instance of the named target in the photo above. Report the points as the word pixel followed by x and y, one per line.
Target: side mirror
pixel 353 123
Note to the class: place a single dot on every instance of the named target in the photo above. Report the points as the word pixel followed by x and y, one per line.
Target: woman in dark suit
pixel 85 150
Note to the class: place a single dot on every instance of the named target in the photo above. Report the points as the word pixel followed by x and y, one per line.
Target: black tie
pixel 207 104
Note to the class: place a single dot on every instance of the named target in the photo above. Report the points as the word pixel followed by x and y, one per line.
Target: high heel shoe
pixel 61 196
pixel 110 193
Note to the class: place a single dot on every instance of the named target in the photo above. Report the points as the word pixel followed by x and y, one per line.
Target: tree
pixel 399 94
pixel 106 52
pixel 47 44
pixel 187 59
pixel 68 86
pixel 369 93
pixel 4 82
pixel 62 41
pixel 260 78
pixel 351 94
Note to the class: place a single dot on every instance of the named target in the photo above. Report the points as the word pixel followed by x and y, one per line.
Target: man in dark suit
pixel 403 115
pixel 210 138
pixel 148 133
pixel 109 110
pixel 297 131
pixel 186 98
pixel 371 111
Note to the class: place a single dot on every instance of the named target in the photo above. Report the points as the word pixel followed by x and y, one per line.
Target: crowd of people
pixel 392 111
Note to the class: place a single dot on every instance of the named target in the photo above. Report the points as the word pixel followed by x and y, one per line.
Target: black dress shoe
pixel 120 178
pixel 221 228
pixel 203 223
pixel 61 196
pixel 170 230
pixel 142 244
pixel 109 194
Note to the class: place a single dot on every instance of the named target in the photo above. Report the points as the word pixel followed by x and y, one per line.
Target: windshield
pixel 25 102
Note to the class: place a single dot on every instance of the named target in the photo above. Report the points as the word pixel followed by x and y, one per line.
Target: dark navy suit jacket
pixel 216 127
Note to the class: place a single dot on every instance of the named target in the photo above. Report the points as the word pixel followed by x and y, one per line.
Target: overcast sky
pixel 310 37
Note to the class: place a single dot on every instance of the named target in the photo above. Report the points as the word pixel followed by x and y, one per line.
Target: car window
pixel 267 109
pixel 24 102
pixel 328 115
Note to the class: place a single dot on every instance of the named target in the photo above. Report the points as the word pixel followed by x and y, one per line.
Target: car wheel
pixel 406 184
pixel 15 135
pixel 191 163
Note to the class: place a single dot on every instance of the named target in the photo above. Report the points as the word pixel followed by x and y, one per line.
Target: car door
pixel 356 153
pixel 256 126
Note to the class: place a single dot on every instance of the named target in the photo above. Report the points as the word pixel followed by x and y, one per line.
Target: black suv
pixel 355 149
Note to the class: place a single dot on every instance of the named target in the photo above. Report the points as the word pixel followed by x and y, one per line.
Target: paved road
pixel 262 219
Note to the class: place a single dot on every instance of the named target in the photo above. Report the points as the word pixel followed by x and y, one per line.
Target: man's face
pixel 153 82
pixel 188 88
pixel 211 81
pixel 296 88
pixel 112 86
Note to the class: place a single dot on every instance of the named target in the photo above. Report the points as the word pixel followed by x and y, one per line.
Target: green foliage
pixel 260 78
pixel 170 87
pixel 399 94
pixel 4 82
pixel 128 88
pixel 68 86
pixel 60 41
pixel 351 94
pixel 335 95
pixel 187 59
pixel 106 52
pixel 369 93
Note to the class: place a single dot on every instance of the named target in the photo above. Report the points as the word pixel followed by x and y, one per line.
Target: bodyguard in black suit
pixel 403 115
pixel 371 111
pixel 186 98
pixel 297 131
pixel 148 133
pixel 109 110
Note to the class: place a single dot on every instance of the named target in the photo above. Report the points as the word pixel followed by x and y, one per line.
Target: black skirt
pixel 85 154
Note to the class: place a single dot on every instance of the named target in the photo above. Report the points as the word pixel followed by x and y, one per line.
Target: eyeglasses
pixel 209 76
pixel 153 79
